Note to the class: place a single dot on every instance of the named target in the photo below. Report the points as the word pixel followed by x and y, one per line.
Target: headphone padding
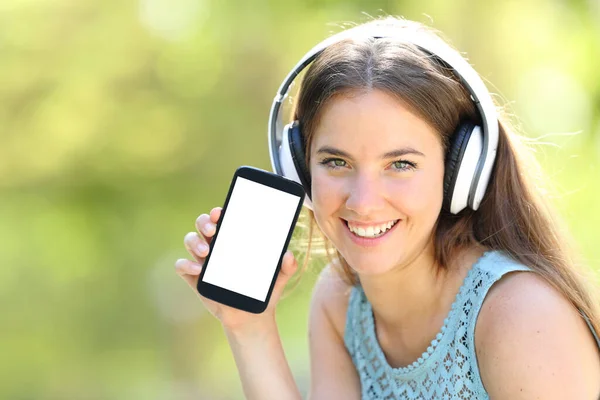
pixel 455 154
pixel 298 151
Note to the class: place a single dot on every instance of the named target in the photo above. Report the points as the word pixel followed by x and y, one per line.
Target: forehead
pixel 370 123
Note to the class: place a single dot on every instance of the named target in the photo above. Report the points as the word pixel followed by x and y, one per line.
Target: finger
pixel 188 270
pixel 205 227
pixel 215 214
pixel 196 246
pixel 289 265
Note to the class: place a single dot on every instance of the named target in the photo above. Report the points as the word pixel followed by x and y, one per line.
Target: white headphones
pixel 472 150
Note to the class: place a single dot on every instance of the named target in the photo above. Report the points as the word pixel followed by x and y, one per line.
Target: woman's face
pixel 377 180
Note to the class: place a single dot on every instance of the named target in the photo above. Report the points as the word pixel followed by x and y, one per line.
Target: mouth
pixel 372 235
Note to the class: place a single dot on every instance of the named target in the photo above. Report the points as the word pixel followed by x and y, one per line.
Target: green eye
pixel 333 163
pixel 403 165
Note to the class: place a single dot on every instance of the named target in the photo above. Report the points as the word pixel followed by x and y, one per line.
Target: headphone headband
pixel 434 46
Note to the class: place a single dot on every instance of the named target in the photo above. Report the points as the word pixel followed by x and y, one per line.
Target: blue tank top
pixel 448 368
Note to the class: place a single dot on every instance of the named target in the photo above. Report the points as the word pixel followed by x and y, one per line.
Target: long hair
pixel 513 216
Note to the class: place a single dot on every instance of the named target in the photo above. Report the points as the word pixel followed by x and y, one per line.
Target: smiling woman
pixel 369 189
pixel 369 96
pixel 450 277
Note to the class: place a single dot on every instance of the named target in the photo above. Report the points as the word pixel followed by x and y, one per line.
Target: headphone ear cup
pixel 453 195
pixel 298 152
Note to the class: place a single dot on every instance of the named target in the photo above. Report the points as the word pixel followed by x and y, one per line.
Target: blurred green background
pixel 121 121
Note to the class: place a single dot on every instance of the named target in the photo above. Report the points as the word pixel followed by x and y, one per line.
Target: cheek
pixel 326 190
pixel 422 196
pixel 327 196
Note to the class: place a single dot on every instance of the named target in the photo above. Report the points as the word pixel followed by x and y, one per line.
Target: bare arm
pixel 261 362
pixel 531 343
pixel 254 338
pixel 333 375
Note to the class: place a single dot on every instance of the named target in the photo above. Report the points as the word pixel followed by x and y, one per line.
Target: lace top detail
pixel 448 368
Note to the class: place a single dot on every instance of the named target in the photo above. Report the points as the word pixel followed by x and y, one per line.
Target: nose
pixel 365 195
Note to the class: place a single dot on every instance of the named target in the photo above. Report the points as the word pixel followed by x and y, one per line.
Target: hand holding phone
pixel 250 266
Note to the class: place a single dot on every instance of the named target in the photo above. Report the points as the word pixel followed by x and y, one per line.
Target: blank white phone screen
pixel 251 238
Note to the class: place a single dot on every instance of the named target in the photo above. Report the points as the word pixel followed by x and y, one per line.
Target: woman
pixel 424 299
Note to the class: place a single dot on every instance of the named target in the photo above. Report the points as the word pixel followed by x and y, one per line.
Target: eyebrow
pixel 390 154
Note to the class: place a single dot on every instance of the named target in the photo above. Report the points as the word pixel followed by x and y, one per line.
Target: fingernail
pixel 196 268
pixel 208 228
pixel 202 247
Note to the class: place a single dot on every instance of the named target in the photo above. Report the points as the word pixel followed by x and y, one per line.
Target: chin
pixel 364 260
pixel 371 263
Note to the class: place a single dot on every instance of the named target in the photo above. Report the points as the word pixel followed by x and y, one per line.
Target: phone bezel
pixel 234 299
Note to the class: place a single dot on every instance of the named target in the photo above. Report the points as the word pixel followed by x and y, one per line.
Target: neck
pixel 416 295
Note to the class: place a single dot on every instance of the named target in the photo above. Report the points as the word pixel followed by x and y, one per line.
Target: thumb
pixel 289 265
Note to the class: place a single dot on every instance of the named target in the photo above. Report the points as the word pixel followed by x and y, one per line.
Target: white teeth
pixel 371 231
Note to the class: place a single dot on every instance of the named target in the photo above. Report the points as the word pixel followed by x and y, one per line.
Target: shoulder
pixel 331 295
pixel 332 372
pixel 531 342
